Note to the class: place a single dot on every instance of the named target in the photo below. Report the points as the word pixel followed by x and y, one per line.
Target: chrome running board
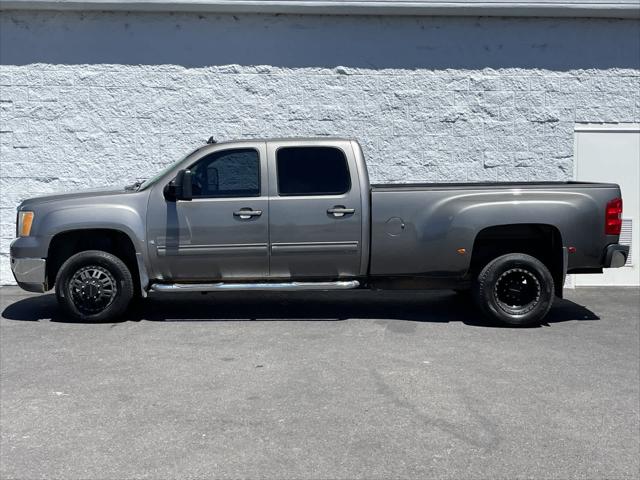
pixel 264 286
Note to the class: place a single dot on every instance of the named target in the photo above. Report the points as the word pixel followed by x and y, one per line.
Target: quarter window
pixel 312 171
pixel 228 173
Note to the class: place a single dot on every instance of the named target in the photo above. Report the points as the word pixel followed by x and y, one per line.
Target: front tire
pixel 514 289
pixel 94 286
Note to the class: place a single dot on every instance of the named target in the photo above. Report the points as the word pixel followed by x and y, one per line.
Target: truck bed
pixel 421 227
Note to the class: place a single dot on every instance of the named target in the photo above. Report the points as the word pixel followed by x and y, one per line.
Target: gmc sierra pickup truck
pixel 300 214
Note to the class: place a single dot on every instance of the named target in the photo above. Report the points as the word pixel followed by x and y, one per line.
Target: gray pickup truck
pixel 300 214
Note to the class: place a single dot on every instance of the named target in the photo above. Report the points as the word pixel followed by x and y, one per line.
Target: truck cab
pixel 283 209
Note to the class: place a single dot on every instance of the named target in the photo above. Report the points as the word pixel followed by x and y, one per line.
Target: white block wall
pixel 76 112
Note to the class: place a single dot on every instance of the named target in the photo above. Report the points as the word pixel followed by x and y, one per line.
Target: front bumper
pixel 30 273
pixel 615 255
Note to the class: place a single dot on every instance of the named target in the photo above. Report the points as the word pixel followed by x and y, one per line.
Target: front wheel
pixel 514 289
pixel 94 286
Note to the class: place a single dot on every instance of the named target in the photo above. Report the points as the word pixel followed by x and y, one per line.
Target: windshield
pixel 147 183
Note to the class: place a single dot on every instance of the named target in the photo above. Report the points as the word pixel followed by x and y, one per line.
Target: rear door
pixel 315 228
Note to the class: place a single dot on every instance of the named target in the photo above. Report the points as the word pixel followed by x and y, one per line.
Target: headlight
pixel 25 220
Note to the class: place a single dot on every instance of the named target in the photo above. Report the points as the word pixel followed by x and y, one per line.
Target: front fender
pixel 114 217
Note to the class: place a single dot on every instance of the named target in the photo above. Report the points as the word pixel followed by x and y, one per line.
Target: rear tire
pixel 94 286
pixel 514 289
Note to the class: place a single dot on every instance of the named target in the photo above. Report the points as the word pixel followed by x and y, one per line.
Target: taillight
pixel 613 217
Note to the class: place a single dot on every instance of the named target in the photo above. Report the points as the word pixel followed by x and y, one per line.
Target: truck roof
pixel 288 139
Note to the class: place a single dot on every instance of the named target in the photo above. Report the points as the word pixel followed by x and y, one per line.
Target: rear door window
pixel 312 171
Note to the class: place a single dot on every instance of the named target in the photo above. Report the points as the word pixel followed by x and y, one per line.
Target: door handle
pixel 247 213
pixel 340 211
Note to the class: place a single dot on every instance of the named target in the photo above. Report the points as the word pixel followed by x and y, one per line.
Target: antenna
pixel 211 140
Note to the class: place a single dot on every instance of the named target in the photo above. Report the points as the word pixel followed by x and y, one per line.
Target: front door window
pixel 229 173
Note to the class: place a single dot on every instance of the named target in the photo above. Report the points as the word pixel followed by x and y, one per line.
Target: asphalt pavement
pixel 320 385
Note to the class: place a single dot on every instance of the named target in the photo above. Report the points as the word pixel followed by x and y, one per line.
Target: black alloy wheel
pixel 517 291
pixel 93 289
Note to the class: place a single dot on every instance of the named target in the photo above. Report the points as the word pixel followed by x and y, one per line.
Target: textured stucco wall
pixel 95 99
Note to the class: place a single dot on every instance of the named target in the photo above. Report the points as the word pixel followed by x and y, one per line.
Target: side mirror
pixel 180 187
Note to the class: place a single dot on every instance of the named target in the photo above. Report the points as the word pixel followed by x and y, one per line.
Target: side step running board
pixel 265 286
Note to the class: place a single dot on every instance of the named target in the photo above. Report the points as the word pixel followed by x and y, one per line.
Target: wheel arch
pixel 66 243
pixel 540 240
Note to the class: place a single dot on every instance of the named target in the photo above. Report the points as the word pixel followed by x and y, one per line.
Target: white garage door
pixel 612 154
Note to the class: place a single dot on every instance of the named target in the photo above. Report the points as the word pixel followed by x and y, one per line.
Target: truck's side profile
pixel 300 214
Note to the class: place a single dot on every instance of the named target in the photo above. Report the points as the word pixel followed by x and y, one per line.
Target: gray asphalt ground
pixel 341 385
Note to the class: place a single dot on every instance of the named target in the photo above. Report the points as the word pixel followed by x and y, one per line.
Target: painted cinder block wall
pixel 92 99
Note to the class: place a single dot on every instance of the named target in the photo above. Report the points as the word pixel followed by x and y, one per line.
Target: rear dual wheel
pixel 514 289
pixel 94 286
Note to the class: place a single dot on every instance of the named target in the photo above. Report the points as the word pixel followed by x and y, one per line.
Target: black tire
pixel 514 289
pixel 94 286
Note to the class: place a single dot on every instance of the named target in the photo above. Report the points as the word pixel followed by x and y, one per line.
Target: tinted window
pixel 312 171
pixel 229 173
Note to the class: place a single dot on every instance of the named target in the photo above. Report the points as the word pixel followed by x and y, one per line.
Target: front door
pixel 222 233
pixel 314 210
